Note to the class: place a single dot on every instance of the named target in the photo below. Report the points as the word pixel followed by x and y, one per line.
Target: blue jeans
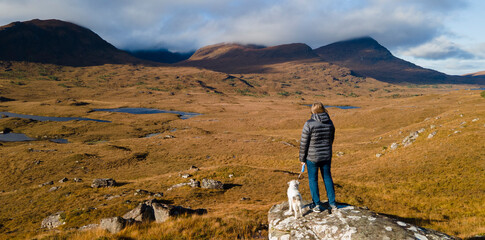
pixel 324 168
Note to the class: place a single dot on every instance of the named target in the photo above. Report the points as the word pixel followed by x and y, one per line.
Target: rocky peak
pixel 349 222
pixel 358 48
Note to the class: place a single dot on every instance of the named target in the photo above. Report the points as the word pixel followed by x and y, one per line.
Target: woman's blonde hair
pixel 318 107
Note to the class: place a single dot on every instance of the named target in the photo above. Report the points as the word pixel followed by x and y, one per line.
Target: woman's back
pixel 317 138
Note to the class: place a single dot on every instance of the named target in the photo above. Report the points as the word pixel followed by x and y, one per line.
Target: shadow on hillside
pixel 164 201
pixel 287 172
pixel 119 184
pixel 230 185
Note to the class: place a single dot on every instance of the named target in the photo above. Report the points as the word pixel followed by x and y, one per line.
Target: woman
pixel 316 151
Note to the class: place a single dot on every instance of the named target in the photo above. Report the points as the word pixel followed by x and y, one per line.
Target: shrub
pixel 284 93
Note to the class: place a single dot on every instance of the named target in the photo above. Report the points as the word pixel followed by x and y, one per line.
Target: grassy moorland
pixel 250 128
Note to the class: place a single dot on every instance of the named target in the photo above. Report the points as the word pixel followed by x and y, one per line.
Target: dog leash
pixel 302 170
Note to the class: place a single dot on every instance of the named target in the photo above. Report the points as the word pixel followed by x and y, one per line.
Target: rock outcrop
pixel 141 213
pixel 211 184
pixel 151 210
pixel 53 221
pixel 103 182
pixel 113 224
pixel 349 222
pixel 192 183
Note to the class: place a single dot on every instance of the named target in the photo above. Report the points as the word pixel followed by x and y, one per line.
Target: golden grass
pixel 437 183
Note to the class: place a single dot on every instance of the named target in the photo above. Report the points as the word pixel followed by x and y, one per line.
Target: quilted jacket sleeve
pixel 304 142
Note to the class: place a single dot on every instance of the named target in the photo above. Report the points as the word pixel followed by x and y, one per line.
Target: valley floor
pixel 247 141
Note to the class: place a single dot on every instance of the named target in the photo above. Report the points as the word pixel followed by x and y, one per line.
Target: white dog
pixel 294 199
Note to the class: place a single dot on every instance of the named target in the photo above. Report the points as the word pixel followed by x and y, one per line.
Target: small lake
pixel 151 135
pixel 473 89
pixel 15 137
pixel 59 140
pixel 183 115
pixel 43 118
pixel 20 137
pixel 340 107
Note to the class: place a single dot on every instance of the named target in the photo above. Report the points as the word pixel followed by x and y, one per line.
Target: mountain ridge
pixel 233 57
pixel 63 43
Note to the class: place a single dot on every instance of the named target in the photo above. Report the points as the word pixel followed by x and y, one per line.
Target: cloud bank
pixel 437 49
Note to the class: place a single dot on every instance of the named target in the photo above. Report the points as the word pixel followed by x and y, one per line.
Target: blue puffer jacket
pixel 317 139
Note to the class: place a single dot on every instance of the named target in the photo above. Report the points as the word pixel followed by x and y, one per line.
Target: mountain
pixel 231 58
pixel 161 55
pixel 57 42
pixel 366 57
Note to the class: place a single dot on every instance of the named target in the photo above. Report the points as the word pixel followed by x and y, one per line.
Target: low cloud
pixel 189 24
pixel 438 49
pixel 451 65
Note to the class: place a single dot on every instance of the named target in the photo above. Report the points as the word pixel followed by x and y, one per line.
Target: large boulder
pixel 103 182
pixel 349 222
pixel 151 210
pixel 141 213
pixel 113 224
pixel 164 211
pixel 211 184
pixel 53 221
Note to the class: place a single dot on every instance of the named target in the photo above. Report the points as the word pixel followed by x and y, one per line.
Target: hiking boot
pixel 310 206
pixel 317 209
pixel 333 209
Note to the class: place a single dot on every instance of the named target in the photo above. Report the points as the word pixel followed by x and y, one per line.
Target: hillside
pixel 57 42
pixel 237 58
pixel 477 74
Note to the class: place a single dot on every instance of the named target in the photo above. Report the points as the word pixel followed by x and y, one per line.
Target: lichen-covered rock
pixel 53 221
pixel 52 189
pixel 141 213
pixel 410 139
pixel 163 211
pixel 113 225
pixel 103 182
pixel 348 222
pixel 394 146
pixel 192 183
pixel 46 183
pixel 211 184
pixel 89 227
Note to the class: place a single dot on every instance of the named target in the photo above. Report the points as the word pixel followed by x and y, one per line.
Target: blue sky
pixel 440 34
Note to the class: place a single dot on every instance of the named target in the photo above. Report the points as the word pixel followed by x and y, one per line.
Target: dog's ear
pixel 297 182
pixel 289 182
